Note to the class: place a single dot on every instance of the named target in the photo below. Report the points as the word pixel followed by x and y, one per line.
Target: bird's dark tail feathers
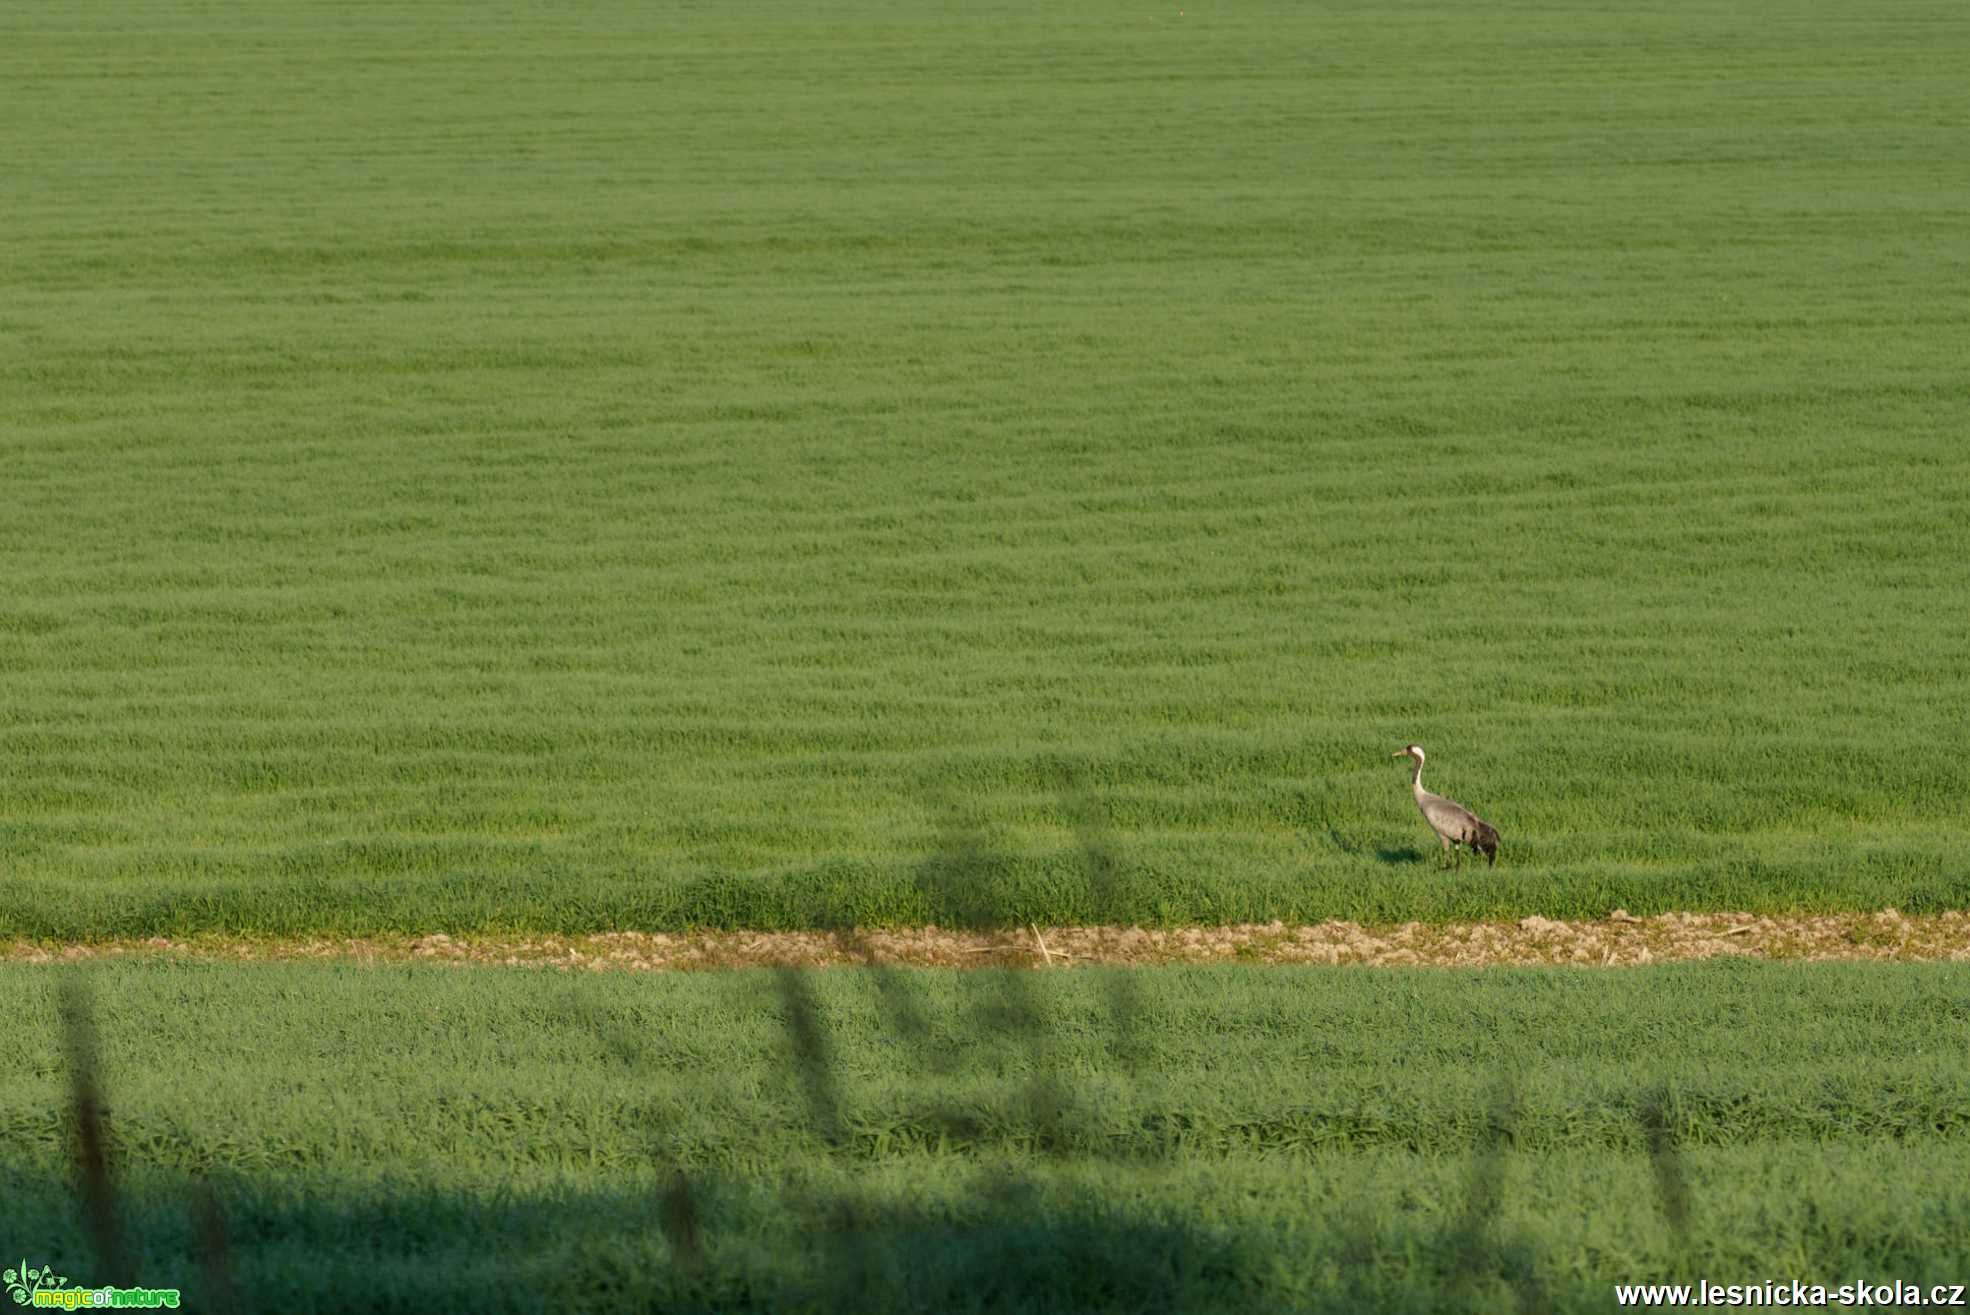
pixel 1487 841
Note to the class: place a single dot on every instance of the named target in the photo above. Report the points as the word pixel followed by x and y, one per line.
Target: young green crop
pixel 1224 1138
pixel 482 466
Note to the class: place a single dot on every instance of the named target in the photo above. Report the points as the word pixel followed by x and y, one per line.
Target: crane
pixel 1453 823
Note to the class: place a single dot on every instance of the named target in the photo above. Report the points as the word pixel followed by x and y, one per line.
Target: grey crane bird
pixel 1453 823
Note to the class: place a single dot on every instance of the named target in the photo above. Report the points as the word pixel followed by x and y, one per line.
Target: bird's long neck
pixel 1416 775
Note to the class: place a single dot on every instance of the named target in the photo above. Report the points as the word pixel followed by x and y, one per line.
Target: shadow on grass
pixel 407 1249
pixel 1354 848
pixel 1012 1256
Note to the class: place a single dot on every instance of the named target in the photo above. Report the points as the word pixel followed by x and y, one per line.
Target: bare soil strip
pixel 1619 940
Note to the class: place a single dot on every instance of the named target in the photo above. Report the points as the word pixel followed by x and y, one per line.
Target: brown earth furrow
pixel 1619 940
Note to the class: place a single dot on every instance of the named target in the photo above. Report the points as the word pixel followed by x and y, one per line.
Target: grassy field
pixel 505 466
pixel 1262 1139
pixel 519 468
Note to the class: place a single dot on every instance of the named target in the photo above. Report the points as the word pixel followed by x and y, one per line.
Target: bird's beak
pixel 1400 753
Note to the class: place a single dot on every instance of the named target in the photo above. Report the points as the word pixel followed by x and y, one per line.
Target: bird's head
pixel 1410 751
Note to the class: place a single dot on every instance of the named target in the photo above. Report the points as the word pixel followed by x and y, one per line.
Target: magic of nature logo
pixel 45 1289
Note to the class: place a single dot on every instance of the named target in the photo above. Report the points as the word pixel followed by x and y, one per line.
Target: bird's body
pixel 1453 823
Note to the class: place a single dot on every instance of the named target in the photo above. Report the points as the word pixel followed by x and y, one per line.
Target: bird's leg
pixel 1446 850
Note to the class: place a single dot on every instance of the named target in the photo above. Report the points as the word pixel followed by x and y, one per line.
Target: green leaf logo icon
pixel 24 1282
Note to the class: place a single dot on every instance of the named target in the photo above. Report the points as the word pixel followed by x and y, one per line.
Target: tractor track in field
pixel 1618 940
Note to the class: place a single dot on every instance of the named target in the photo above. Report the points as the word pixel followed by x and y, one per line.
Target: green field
pixel 559 468
pixel 1224 1139
pixel 525 468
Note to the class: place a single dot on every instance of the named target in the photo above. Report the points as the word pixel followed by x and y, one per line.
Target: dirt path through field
pixel 1616 941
